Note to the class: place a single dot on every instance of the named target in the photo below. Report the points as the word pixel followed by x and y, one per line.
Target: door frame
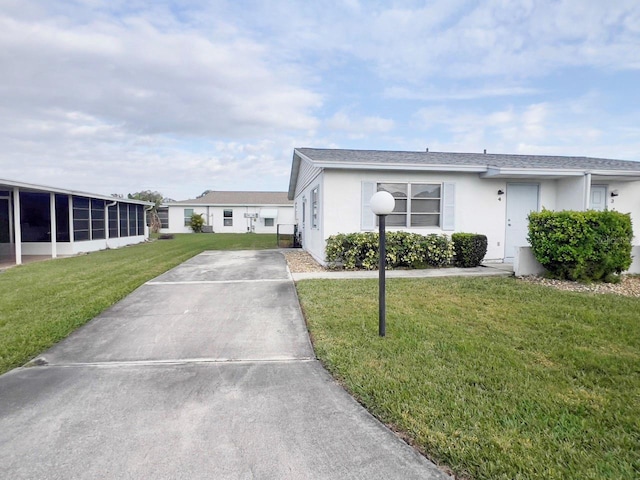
pixel 606 191
pixel 507 259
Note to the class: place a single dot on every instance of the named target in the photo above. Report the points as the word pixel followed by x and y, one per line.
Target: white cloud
pixel 149 80
pixel 359 127
pixel 434 94
pixel 563 128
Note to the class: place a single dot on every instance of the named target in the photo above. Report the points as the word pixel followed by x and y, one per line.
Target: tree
pixel 197 221
pixel 206 192
pixel 157 198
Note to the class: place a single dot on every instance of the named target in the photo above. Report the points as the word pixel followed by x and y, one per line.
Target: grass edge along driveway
pixel 494 378
pixel 42 303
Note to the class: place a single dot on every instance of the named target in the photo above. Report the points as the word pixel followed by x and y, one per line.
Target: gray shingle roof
pixel 480 160
pixel 239 198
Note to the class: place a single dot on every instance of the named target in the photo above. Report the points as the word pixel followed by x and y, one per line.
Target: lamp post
pixel 382 204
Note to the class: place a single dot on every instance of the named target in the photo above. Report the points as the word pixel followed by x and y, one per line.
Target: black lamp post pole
pixel 381 279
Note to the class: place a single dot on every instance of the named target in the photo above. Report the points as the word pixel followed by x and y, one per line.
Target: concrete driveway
pixel 205 372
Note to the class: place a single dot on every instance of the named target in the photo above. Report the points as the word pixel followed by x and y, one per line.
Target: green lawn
pixel 41 303
pixel 494 378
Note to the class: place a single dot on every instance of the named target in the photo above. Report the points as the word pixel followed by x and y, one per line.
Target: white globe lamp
pixel 382 204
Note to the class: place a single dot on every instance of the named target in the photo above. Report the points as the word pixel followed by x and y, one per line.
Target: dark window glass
pixel 140 220
pixel 97 219
pixel 163 215
pixel 62 218
pixel 5 230
pixel 227 220
pixel 124 220
pixel 35 217
pixel 81 216
pixel 132 220
pixel 114 231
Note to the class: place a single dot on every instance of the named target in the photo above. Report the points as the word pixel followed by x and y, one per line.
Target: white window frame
pixel 187 217
pixel 315 206
pixel 227 220
pixel 409 211
pixel 271 222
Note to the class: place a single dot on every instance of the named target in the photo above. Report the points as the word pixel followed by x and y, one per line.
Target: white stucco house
pixel 36 220
pixel 439 192
pixel 231 212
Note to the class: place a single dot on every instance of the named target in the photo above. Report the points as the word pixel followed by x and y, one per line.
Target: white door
pixel 521 200
pixel 598 199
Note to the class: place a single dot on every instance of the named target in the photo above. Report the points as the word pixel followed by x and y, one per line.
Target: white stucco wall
pixel 570 194
pixel 214 216
pixel 627 201
pixel 526 264
pixel 85 246
pixel 478 208
pixel 313 238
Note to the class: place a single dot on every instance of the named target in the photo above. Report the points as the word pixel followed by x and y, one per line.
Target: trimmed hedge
pixel 470 249
pixel 403 249
pixel 583 246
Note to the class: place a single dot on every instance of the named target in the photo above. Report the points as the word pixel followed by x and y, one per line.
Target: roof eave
pixel 495 172
pixel 401 166
pixel 64 191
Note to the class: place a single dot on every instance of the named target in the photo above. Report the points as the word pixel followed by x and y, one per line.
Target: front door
pixel 521 200
pixel 598 200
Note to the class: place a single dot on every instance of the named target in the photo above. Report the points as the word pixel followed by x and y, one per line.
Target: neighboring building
pixel 231 212
pixel 82 222
pixel 440 192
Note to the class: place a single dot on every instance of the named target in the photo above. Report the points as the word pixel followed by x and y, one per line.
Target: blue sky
pixel 116 96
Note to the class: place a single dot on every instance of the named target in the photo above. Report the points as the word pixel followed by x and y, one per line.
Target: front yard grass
pixel 494 378
pixel 41 303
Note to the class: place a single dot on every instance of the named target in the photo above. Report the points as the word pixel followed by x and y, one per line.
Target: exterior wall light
pixel 382 204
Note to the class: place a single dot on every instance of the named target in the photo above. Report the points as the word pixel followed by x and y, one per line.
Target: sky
pixel 119 96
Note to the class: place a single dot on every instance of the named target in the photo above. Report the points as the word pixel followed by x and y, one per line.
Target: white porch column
pixel 54 227
pixel 16 225
pixel 71 224
pixel 587 191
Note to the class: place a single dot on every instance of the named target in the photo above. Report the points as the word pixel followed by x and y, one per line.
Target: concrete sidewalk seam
pixel 213 282
pixel 185 361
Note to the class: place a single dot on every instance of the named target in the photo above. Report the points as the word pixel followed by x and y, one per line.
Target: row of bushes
pixel 582 246
pixel 404 249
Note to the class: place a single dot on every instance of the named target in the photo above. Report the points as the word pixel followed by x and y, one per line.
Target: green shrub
pixel 197 222
pixel 582 246
pixel 403 249
pixel 470 249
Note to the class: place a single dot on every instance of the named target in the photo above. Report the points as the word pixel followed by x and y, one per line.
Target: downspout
pixel 106 220
pixel 148 209
pixel 587 190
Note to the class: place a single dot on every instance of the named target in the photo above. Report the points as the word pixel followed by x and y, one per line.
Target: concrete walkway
pixel 488 270
pixel 204 372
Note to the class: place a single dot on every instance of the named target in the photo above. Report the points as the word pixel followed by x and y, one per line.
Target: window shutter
pixel 449 206
pixel 368 221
